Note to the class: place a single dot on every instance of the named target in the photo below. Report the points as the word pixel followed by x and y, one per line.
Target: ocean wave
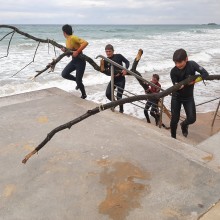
pixel 27 45
pixel 201 57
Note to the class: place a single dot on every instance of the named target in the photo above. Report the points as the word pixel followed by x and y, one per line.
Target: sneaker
pixel 83 96
pixel 184 129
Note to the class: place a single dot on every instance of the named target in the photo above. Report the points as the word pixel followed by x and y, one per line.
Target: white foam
pixel 201 57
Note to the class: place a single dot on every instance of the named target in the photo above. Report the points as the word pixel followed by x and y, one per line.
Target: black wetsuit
pixel 184 96
pixel 119 79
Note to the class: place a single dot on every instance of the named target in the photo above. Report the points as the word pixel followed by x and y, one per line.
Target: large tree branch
pixel 68 52
pixel 113 104
pixel 55 44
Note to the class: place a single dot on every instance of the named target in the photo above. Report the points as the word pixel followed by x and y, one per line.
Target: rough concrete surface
pixel 109 166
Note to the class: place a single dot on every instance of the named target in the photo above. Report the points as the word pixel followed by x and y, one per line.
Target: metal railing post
pixel 213 121
pixel 112 86
pixel 161 112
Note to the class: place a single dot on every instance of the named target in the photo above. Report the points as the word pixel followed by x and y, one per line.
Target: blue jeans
pixel 190 110
pixel 79 65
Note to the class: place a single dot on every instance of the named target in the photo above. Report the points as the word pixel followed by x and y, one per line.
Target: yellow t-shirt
pixel 73 42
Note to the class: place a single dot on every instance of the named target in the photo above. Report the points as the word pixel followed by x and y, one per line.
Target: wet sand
pixel 200 130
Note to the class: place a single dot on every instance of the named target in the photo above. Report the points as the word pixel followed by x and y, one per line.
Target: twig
pixel 55 44
pixel 9 43
pixel 53 63
pixel 28 63
pixel 6 35
pixel 54 48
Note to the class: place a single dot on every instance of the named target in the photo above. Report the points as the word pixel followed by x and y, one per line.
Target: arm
pixel 200 70
pixel 127 63
pixel 83 44
pixel 105 68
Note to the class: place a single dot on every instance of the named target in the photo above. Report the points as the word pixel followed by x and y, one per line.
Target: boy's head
pixel 67 29
pixel 180 58
pixel 109 49
pixel 155 78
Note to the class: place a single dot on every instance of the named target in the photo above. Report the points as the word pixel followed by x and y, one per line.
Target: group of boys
pixel 183 69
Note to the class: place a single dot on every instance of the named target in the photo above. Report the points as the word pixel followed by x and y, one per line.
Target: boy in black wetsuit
pixel 119 75
pixel 184 96
pixel 153 103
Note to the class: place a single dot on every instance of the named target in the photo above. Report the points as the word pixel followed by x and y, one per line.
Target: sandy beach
pixel 200 130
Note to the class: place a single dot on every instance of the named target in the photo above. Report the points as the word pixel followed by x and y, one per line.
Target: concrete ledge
pixel 30 96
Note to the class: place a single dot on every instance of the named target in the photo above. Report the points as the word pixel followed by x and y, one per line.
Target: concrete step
pixel 30 96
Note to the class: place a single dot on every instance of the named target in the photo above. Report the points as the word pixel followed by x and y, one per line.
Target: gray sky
pixel 109 12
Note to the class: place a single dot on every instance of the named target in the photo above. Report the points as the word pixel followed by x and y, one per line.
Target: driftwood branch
pixel 113 104
pixel 133 69
pixel 68 52
pixel 55 44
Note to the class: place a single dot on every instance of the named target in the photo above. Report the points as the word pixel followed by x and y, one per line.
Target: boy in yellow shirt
pixel 77 45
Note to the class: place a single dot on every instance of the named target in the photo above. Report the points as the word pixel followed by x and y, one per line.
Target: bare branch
pixel 113 104
pixel 55 44
pixel 9 43
pixel 81 56
pixel 54 48
pixel 28 63
pixel 53 63
pixel 6 35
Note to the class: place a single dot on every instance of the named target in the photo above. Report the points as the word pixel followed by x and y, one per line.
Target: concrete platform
pixel 109 166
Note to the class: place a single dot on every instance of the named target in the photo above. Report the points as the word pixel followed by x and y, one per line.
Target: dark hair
pixel 67 29
pixel 109 47
pixel 179 55
pixel 156 76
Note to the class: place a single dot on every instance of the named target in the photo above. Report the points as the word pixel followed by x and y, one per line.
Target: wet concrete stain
pixel 172 213
pixel 123 191
pixel 208 158
pixel 42 119
pixel 28 147
pixel 9 190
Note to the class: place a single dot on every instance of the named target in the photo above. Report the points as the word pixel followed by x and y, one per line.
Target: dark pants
pixel 190 110
pixel 79 65
pixel 153 103
pixel 120 83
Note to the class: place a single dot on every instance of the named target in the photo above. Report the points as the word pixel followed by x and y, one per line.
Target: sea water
pixel 202 43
